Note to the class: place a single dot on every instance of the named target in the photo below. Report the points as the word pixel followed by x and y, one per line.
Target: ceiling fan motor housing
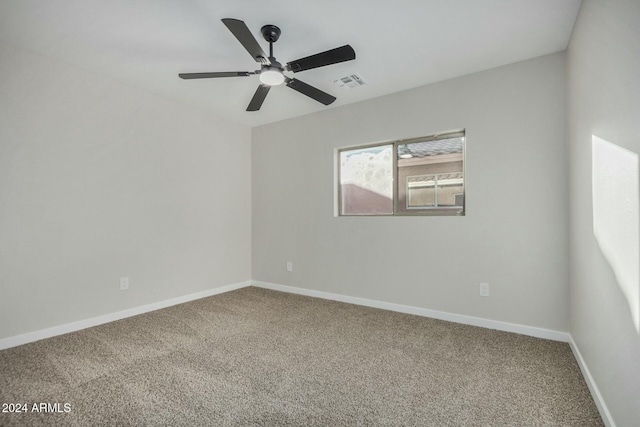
pixel 271 74
pixel 270 32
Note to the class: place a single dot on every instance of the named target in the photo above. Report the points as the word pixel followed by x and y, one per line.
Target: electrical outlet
pixel 124 283
pixel 484 289
pixel 289 266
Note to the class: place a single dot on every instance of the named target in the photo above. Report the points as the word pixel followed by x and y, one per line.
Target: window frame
pixel 435 211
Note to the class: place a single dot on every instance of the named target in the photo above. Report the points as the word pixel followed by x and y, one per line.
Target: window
pixel 418 176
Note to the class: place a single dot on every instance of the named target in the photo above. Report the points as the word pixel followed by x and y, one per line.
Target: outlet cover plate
pixel 484 289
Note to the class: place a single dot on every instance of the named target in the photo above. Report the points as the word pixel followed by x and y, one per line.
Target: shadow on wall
pixel 616 218
pixel 358 200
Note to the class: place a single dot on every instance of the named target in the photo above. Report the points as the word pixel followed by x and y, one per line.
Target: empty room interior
pixel 438 225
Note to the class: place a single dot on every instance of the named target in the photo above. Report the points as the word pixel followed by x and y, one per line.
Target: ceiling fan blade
pixel 246 39
pixel 214 75
pixel 310 91
pixel 333 56
pixel 258 98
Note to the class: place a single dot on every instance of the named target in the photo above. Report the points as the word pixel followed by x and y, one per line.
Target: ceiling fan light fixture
pixel 272 77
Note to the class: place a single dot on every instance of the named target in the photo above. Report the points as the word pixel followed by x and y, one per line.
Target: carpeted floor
pixel 260 357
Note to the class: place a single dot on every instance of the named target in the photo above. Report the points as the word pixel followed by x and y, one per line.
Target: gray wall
pixel 100 180
pixel 603 72
pixel 514 234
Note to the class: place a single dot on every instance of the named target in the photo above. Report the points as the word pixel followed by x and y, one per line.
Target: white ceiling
pixel 399 44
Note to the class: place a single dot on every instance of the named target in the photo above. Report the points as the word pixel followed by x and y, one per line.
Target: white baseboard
pixel 99 320
pixel 593 388
pixel 451 317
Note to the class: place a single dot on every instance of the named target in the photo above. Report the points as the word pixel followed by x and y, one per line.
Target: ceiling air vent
pixel 349 82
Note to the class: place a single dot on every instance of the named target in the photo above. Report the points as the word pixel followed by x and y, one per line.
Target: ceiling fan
pixel 271 71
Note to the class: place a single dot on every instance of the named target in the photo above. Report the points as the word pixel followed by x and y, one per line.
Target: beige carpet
pixel 259 357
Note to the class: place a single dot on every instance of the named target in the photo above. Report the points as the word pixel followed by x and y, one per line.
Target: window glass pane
pixel 450 189
pixel 366 181
pixel 430 175
pixel 421 191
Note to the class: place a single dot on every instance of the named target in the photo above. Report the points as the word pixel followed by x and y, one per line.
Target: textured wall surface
pixel 514 234
pixel 99 180
pixel 603 69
